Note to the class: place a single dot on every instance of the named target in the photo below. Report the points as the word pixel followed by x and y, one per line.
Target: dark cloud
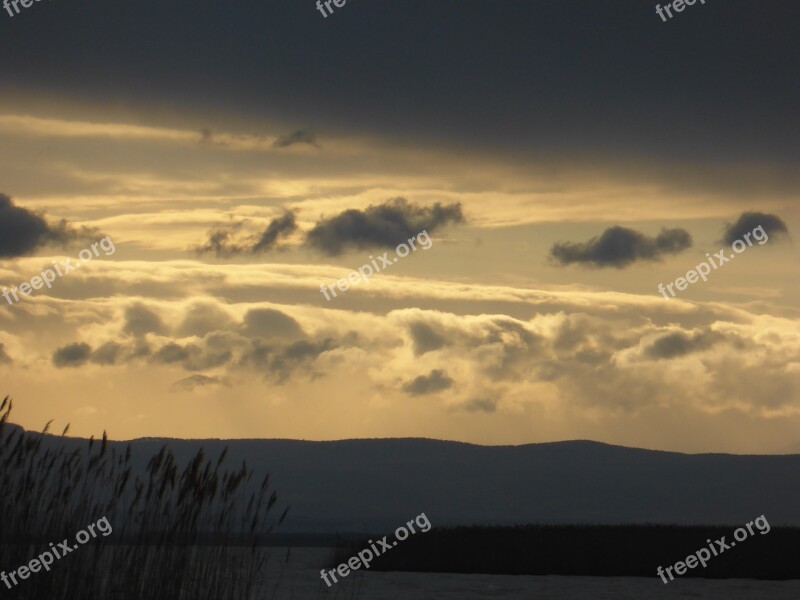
pixel 23 231
pixel 140 320
pixel 435 381
pixel 280 362
pixel 195 381
pixel 172 353
pixel 140 349
pixel 203 318
pixel 301 136
pixel 619 247
pixel 278 227
pixel 72 355
pixel 107 354
pixel 296 355
pixel 681 343
pixel 222 239
pixel 5 359
pixel 385 225
pixel 269 323
pixel 425 338
pixel 191 356
pixel 561 71
pixel 479 405
pixel 772 225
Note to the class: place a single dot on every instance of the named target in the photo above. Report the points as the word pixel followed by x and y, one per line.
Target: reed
pixel 190 532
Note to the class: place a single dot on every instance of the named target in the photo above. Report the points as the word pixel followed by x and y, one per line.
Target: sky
pixel 559 161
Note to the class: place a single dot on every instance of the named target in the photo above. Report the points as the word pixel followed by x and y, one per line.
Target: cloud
pixel 140 320
pixel 270 323
pixel 172 353
pixel 425 338
pixel 5 359
pixel 191 356
pixel 281 361
pixel 619 247
pixel 301 136
pixel 435 381
pixel 107 354
pixel 203 318
pixel 278 227
pixel 680 343
pixel 22 231
pixel 385 225
pixel 296 355
pixel 72 355
pixel 222 242
pixel 772 225
pixel 192 382
pixel 479 405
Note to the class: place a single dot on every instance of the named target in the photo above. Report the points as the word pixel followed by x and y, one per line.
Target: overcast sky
pixel 565 159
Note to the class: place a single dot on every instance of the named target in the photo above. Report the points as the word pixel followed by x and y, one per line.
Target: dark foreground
pixel 631 551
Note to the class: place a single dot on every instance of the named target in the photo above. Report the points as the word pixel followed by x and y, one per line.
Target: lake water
pixel 295 575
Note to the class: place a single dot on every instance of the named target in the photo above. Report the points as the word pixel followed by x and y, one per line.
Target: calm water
pixel 299 579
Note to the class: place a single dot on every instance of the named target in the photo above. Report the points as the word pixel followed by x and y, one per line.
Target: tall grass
pixel 190 533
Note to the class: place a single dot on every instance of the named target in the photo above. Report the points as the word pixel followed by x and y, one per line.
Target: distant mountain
pixel 378 484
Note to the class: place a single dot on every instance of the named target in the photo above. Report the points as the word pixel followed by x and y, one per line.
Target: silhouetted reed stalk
pixel 186 534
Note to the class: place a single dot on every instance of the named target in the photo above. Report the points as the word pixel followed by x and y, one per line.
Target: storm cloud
pixel 23 231
pixel 772 225
pixel 384 225
pixel 620 247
